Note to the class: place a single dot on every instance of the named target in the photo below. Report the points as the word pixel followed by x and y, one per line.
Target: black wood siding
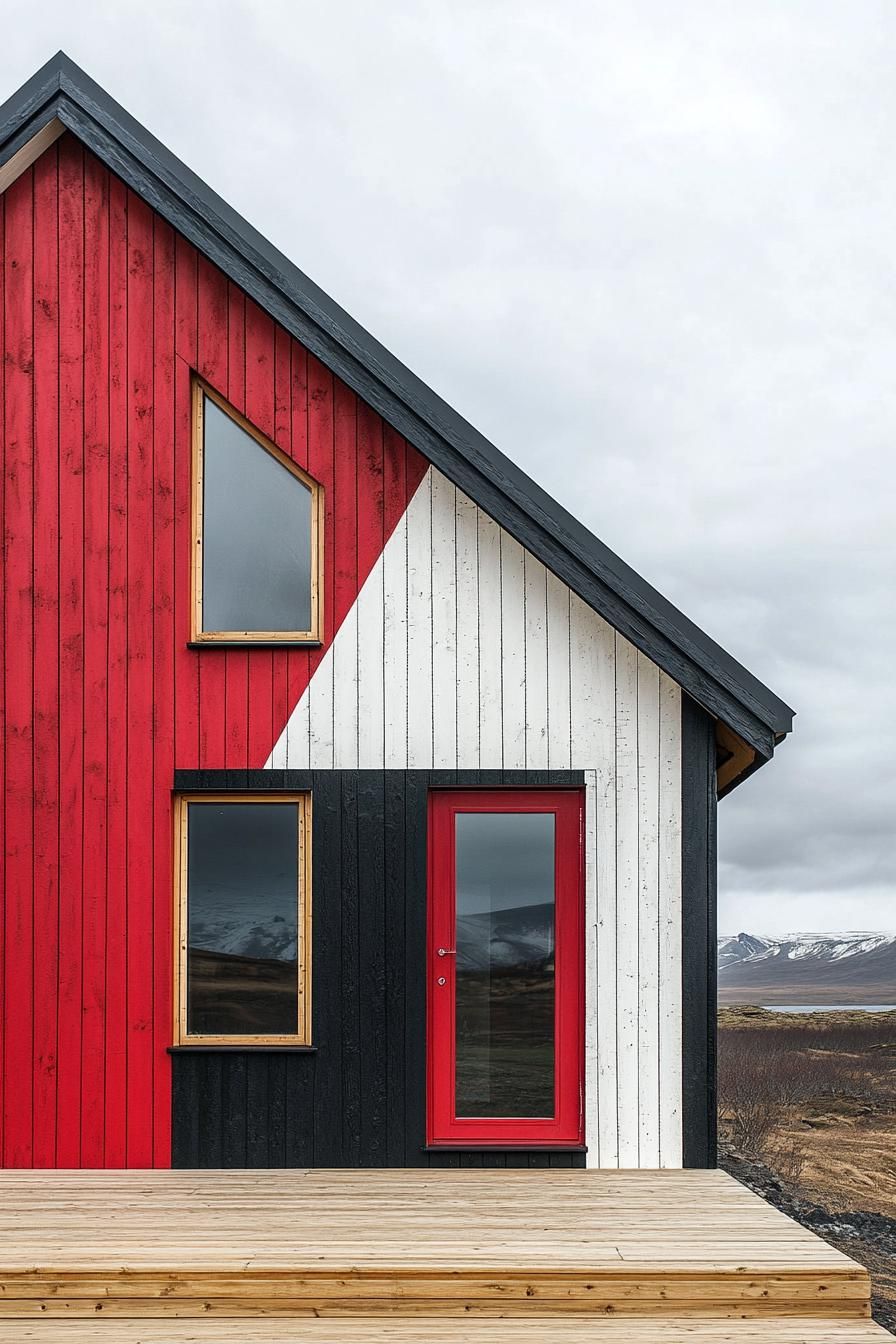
pixel 358 1097
pixel 699 881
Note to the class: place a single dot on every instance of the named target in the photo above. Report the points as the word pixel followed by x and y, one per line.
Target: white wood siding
pixel 463 651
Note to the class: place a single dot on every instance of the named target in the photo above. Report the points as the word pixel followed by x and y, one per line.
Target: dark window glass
pixel 242 919
pixel 505 964
pixel 256 534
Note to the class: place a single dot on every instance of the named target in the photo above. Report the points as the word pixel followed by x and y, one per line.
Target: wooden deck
pixel 407 1255
pixel 431 1330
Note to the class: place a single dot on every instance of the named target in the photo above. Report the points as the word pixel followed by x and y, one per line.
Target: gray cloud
pixel 648 249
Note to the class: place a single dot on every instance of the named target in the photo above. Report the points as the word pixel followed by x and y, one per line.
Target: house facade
pixel 359 804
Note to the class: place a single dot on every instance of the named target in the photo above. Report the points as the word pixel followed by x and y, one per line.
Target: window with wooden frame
pixel 257 533
pixel 242 919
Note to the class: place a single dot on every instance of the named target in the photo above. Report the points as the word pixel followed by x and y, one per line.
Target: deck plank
pixel 459 1241
pixel 435 1330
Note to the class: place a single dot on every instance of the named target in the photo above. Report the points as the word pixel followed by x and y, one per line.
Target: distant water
pixel 830 1007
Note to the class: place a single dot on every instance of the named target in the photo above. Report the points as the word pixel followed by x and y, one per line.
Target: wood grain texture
pixel 699 876
pixel 106 312
pixel 330 1242
pixel 181 1035
pixel 357 1098
pixel 671 987
pixel 260 398
pixel 489 662
pixel 46 658
pixel 462 652
pixel 23 158
pixel 19 677
pixel 63 91
pixel 421 1329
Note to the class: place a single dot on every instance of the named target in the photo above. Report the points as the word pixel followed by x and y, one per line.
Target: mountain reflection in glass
pixel 504 1003
pixel 242 919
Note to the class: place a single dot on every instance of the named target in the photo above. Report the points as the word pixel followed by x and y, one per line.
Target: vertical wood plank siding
pixel 447 647
pixel 699 967
pixel 105 313
pixel 357 1098
pixel 474 657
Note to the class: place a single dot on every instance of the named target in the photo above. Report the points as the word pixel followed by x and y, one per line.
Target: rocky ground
pixel 808 1121
pixel 868 1237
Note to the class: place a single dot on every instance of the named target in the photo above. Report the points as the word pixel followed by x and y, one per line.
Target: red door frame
pixel 565 1127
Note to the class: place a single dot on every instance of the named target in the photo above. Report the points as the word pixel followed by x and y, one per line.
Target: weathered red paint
pixel 106 312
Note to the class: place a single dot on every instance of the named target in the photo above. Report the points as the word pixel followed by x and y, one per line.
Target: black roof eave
pixel 710 676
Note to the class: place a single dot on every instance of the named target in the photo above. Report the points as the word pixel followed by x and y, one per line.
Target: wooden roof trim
pixel 30 152
pixel 62 92
pixel 735 758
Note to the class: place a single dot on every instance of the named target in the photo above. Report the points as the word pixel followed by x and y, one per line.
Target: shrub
pixel 764 1070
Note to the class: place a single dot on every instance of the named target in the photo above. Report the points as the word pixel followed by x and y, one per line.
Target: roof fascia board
pixel 29 152
pixel 498 503
pixel 19 111
pixel 678 646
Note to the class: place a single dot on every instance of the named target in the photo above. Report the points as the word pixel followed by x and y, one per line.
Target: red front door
pixel 504 967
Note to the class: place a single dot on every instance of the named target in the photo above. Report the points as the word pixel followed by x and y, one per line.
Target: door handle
pixel 447 952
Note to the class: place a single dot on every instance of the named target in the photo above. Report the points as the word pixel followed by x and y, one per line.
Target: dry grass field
pixel 812 1097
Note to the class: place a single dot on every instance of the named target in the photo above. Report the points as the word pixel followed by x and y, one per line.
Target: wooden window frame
pixel 565 1129
pixel 198 635
pixel 302 1034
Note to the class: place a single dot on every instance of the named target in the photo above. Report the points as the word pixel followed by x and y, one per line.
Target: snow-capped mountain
pixel 521 938
pixel 741 947
pixel 236 933
pixel 850 967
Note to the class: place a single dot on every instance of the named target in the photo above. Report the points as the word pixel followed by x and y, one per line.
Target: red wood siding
pixel 105 314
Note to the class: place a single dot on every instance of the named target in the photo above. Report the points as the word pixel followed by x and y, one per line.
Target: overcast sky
pixel 649 250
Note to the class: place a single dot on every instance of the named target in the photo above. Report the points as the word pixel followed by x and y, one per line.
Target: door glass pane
pixel 256 534
pixel 242 919
pixel 505 964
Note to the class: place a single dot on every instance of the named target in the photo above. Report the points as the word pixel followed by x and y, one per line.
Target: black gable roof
pixel 61 95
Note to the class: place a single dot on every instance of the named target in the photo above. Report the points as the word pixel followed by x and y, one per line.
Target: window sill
pixel 254 644
pixel 504 1147
pixel 199 1049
